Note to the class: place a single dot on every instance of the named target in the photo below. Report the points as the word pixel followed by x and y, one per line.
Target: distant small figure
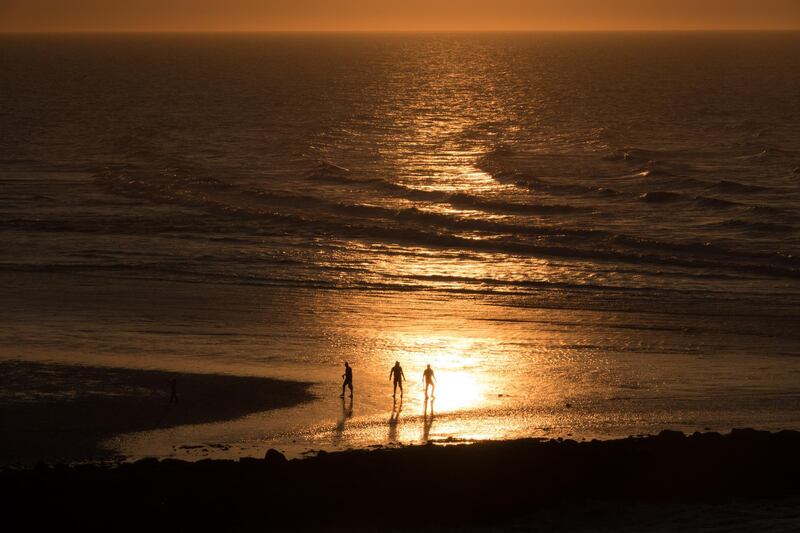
pixel 173 397
pixel 397 373
pixel 429 380
pixel 348 379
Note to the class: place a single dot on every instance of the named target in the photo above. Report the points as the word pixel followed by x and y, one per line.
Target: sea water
pixel 584 234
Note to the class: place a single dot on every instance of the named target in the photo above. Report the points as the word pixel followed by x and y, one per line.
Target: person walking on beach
pixel 348 379
pixel 173 397
pixel 429 380
pixel 397 373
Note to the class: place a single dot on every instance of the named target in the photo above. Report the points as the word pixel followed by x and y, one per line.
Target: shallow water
pixel 586 235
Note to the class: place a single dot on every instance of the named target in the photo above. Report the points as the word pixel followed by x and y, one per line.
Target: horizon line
pixel 406 31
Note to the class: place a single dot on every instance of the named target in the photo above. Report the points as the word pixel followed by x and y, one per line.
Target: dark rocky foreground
pixel 424 486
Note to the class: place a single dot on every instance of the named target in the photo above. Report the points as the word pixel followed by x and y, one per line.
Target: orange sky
pixel 343 15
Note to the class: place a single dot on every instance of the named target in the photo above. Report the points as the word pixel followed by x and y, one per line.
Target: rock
pixel 274 494
pixel 710 438
pixel 274 457
pixel 174 463
pixel 147 462
pixel 749 435
pixel 670 435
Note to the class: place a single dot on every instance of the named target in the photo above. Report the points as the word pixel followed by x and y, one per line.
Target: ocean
pixel 585 234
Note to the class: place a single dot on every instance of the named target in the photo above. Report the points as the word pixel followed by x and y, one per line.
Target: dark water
pixel 621 194
pixel 667 160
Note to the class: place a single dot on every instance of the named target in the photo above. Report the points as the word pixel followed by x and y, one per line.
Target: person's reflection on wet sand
pixel 347 414
pixel 394 418
pixel 427 421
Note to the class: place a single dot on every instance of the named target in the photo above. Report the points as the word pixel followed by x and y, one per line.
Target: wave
pixel 199 272
pixel 432 238
pixel 736 187
pixel 372 184
pixel 757 227
pixel 766 210
pixel 537 172
pixel 327 170
pixel 670 181
pixel 721 186
pixel 542 185
pixel 660 168
pixel 225 198
pixel 719 203
pixel 466 200
pixel 715 259
pixel 660 197
pixel 461 200
pixel 389 282
pixel 17 161
pixel 768 153
pixel 664 197
pixel 430 228
pixel 651 157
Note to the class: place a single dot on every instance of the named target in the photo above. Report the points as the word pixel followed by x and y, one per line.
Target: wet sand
pixel 64 413
pixel 747 480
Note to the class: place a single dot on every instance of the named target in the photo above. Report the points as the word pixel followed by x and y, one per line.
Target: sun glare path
pixel 457 363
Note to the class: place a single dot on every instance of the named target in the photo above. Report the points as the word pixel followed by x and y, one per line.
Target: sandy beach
pixel 56 413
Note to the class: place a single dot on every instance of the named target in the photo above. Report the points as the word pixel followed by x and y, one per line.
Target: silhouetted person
pixel 397 373
pixel 348 379
pixel 173 384
pixel 429 380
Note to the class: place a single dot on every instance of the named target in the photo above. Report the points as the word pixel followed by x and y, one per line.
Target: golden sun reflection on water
pixel 457 362
pixel 503 372
pixel 459 390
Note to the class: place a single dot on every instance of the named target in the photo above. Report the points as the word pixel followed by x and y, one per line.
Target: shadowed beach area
pixel 55 412
pixel 745 480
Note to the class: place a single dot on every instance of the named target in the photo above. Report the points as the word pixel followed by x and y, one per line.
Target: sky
pixel 395 15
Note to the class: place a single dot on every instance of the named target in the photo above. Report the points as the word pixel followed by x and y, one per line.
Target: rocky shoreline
pixel 417 487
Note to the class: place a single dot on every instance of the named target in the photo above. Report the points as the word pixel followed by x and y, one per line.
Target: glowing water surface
pixel 584 235
pixel 502 371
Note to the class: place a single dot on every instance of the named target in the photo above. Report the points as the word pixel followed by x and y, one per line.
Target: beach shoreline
pixel 668 481
pixel 66 413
